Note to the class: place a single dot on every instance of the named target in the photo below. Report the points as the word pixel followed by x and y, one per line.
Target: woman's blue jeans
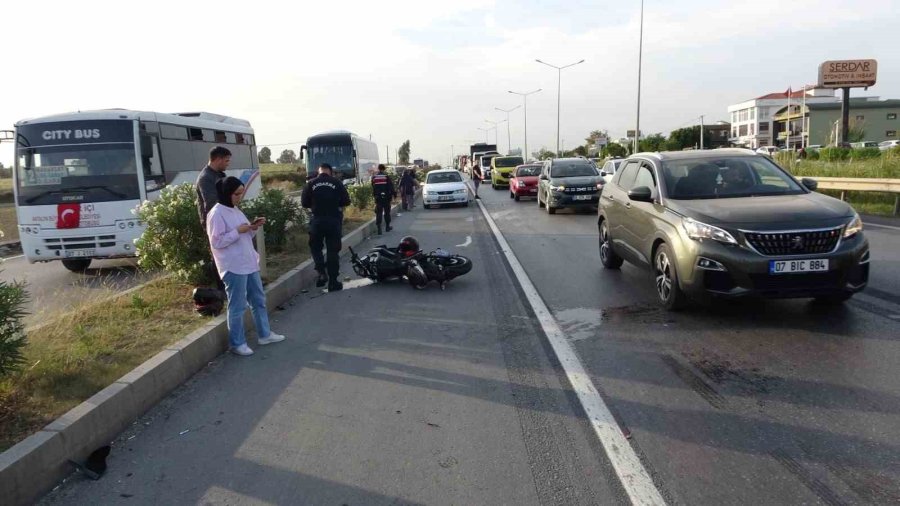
pixel 244 290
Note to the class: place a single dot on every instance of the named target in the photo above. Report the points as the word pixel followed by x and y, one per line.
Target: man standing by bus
pixel 383 190
pixel 207 196
pixel 326 196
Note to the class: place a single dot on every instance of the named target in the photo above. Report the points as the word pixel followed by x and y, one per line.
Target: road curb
pixel 35 465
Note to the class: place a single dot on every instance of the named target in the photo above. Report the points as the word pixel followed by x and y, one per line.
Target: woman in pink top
pixel 231 237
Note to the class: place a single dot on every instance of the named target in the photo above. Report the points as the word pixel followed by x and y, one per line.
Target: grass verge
pixel 79 353
pixel 8 223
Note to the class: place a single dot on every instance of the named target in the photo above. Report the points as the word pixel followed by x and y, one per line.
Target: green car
pixel 730 223
pixel 502 168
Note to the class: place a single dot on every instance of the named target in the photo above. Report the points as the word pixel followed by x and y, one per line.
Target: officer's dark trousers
pixel 382 208
pixel 326 232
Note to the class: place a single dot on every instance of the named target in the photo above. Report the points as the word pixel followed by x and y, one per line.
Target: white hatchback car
pixel 886 145
pixel 445 186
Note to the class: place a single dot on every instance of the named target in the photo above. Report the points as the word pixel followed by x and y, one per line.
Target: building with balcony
pixel 753 122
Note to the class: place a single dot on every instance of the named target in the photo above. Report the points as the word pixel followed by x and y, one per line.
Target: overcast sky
pixel 429 71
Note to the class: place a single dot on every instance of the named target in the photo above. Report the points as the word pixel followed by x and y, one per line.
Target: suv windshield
pixel 572 169
pixel 443 177
pixel 529 170
pixel 727 177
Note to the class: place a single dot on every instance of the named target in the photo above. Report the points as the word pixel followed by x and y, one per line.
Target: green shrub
pixel 280 211
pixel 174 240
pixel 865 153
pixel 360 195
pixel 812 155
pixel 296 177
pixel 834 154
pixel 13 298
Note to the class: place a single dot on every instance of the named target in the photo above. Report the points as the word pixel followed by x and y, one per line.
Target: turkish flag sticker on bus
pixel 68 215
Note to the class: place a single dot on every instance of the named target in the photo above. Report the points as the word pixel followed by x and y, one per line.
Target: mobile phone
pixel 257 220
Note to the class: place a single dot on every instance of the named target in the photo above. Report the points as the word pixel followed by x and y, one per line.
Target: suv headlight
pixel 854 227
pixel 560 188
pixel 697 230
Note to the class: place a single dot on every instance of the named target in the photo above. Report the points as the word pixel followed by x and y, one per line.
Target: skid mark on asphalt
pixel 695 382
pixel 819 488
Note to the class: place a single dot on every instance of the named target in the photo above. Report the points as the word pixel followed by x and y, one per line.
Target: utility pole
pixel 701 132
pixel 845 116
pixel 387 153
pixel 637 126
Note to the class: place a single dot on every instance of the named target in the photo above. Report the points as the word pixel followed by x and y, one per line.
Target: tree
pixel 687 138
pixel 655 142
pixel 614 149
pixel 287 156
pixel 543 154
pixel 579 151
pixel 404 153
pixel 265 155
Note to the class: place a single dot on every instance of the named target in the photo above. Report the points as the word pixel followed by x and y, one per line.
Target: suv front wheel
pixel 668 290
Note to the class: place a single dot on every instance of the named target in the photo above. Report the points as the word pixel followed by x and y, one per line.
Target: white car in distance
pixel 444 187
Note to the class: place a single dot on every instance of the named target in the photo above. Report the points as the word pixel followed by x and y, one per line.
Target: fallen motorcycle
pixel 408 261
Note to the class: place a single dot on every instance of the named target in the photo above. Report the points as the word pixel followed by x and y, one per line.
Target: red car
pixel 524 182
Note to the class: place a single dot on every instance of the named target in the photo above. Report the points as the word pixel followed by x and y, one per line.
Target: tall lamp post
pixel 495 123
pixel 525 113
pixel 637 127
pixel 508 141
pixel 558 92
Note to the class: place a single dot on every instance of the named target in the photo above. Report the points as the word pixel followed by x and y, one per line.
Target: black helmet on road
pixel 408 246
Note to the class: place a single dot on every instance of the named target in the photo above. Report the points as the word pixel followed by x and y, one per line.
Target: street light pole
pixel 701 132
pixel 495 123
pixel 637 131
pixel 558 93
pixel 508 141
pixel 525 112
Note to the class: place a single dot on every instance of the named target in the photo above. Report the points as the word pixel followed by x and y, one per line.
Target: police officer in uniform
pixel 383 190
pixel 326 196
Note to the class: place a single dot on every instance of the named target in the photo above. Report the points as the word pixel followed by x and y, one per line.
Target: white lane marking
pixel 628 467
pixel 867 224
pixel 465 244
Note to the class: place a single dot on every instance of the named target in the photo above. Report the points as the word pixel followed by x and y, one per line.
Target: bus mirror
pixel 302 149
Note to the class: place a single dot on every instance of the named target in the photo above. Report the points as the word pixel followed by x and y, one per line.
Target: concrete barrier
pixel 34 466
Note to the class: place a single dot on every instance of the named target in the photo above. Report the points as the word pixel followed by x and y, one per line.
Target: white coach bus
pixel 79 175
pixel 352 157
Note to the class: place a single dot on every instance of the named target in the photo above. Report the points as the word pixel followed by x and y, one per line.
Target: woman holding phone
pixel 231 237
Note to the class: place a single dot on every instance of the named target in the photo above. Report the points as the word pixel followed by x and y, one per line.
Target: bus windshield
pixel 339 156
pixel 86 173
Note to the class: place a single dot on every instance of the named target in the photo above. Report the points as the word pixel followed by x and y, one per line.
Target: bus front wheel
pixel 77 264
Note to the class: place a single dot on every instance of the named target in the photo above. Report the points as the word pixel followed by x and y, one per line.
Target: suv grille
pixel 580 189
pixel 798 242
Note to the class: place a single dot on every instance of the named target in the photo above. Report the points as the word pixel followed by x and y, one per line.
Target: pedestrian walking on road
pixel 408 186
pixel 326 196
pixel 231 237
pixel 207 194
pixel 476 177
pixel 383 190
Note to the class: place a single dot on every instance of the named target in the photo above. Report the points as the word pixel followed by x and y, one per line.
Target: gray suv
pixel 730 223
pixel 569 182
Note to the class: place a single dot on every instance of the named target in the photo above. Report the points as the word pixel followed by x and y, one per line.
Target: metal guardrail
pixel 862 184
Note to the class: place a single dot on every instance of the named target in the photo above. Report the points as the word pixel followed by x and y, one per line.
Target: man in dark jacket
pixel 408 185
pixel 383 190
pixel 219 158
pixel 326 196
pixel 207 197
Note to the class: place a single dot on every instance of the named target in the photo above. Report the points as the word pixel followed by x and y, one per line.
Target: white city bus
pixel 79 175
pixel 353 158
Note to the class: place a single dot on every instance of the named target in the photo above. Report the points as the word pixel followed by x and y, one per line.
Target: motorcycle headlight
pixel 854 227
pixel 697 230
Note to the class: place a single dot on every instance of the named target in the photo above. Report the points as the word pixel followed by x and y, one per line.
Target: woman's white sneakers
pixel 242 350
pixel 272 338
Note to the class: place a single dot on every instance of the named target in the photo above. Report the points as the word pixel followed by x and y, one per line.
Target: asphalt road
pixel 381 395
pixel 54 289
pixel 772 402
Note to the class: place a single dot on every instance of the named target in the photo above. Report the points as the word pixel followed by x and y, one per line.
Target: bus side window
pixel 151 162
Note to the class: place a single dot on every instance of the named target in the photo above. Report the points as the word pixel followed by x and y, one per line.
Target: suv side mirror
pixel 641 194
pixel 810 184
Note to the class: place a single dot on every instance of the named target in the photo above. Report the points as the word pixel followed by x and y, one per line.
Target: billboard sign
pixel 848 73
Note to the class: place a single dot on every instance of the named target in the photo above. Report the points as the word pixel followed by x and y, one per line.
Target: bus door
pixel 151 162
